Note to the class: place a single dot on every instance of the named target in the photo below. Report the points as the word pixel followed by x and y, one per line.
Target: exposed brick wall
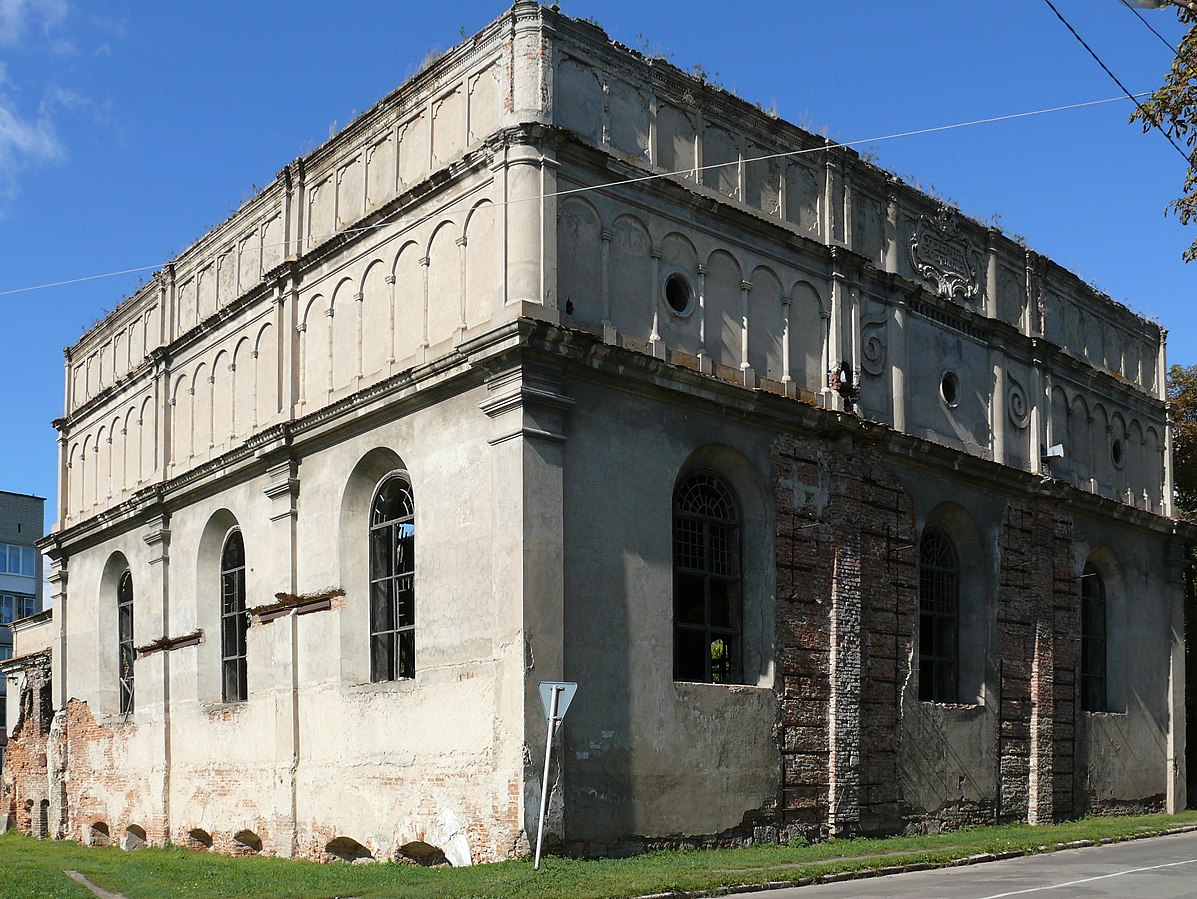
pixel 102 788
pixel 1038 650
pixel 25 784
pixel 94 754
pixel 846 602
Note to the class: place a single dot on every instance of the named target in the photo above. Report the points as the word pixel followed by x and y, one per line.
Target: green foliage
pixel 33 868
pixel 1173 109
pixel 1182 393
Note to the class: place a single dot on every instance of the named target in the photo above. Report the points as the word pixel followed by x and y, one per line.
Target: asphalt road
pixel 1156 868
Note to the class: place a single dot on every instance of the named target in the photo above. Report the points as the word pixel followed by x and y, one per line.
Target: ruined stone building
pixel 21 524
pixel 846 512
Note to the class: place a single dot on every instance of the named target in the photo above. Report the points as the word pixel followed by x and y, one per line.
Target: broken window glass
pixel 392 581
pixel 1093 641
pixel 125 652
pixel 706 581
pixel 939 614
pixel 233 621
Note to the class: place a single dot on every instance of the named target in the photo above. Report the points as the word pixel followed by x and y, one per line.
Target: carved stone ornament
pixel 872 347
pixel 940 253
pixel 1016 404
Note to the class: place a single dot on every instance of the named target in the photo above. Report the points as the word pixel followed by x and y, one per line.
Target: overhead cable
pixel 1150 119
pixel 1167 43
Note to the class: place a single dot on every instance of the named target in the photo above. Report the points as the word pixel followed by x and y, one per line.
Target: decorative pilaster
pixel 786 303
pixel 891 227
pixel 654 338
pixel 746 372
pixel 997 404
pixel 390 282
pixel 156 537
pixel 897 362
pixel 528 408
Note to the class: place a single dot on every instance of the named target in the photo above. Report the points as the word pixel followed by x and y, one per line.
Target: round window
pixel 1116 452
pixel 949 388
pixel 679 295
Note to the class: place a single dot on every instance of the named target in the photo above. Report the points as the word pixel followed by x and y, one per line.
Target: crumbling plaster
pixel 516 353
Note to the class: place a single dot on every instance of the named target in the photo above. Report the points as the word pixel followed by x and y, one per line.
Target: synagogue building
pixel 846 512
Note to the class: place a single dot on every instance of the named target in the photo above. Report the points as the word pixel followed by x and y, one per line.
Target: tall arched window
pixel 1093 641
pixel 392 580
pixel 939 617
pixel 233 623
pixel 706 581
pixel 124 628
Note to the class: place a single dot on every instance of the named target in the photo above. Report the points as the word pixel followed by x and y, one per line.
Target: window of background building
pixel 233 623
pixel 706 581
pixel 1093 641
pixel 14 606
pixel 392 581
pixel 939 617
pixel 21 560
pixel 124 619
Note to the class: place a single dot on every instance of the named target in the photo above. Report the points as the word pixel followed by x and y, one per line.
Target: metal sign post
pixel 556 697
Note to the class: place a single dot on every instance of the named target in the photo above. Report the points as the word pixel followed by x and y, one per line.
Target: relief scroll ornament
pixel 940 253
pixel 1016 404
pixel 872 347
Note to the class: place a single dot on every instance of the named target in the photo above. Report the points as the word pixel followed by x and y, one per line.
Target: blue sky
pixel 128 129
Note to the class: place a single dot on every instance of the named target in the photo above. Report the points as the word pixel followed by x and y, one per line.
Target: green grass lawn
pixel 35 868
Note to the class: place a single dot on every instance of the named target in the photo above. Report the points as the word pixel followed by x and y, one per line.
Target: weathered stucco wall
pixel 317 752
pixel 646 756
pixel 545 367
pixel 818 258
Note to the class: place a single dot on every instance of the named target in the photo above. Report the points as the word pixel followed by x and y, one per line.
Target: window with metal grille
pixel 706 581
pixel 233 623
pixel 124 628
pixel 392 580
pixel 1093 641
pixel 939 617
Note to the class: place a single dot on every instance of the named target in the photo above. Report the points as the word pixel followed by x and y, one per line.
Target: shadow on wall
pixel 646 756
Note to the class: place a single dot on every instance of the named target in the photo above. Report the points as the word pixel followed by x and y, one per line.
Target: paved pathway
pixel 1157 868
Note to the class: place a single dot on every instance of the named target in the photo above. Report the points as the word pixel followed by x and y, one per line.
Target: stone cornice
pixel 681 89
pixel 570 353
pixel 819 260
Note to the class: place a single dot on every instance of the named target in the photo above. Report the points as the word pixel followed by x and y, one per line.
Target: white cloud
pixel 20 17
pixel 27 134
pixel 24 140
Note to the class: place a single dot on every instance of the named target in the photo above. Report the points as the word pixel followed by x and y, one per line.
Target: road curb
pixel 979 858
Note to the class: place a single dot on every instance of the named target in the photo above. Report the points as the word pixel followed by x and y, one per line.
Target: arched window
pixel 1093 641
pixel 392 580
pixel 706 581
pixel 233 623
pixel 939 617
pixel 124 628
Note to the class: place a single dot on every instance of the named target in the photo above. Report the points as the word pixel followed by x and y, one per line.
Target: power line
pixel 637 179
pixel 1167 43
pixel 1146 117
